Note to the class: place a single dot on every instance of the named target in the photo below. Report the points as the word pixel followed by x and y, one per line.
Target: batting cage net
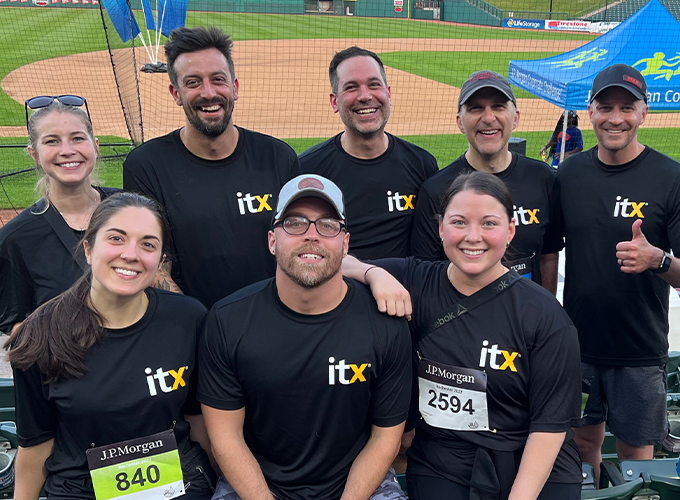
pixel 111 52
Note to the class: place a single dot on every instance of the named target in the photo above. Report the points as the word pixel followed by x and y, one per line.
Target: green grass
pixel 449 68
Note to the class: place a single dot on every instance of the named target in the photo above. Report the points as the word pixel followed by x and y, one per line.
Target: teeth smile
pixel 473 252
pixel 126 272
pixel 366 111
pixel 210 108
pixel 69 165
pixel 310 256
pixel 488 132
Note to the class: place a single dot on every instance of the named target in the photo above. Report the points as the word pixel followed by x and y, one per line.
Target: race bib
pixel 522 266
pixel 451 397
pixel 146 467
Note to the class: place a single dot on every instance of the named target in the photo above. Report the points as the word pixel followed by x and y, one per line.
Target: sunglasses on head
pixel 42 101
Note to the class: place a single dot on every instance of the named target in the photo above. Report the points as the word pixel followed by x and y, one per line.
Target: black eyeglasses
pixel 42 101
pixel 297 225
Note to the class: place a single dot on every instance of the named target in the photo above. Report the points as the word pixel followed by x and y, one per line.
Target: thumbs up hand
pixel 637 255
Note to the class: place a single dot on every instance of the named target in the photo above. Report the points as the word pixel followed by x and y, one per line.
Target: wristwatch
pixel 665 264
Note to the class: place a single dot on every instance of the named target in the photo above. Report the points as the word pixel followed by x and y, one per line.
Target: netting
pixel 282 50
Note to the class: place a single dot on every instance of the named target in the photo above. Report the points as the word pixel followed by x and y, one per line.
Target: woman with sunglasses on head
pixel 37 247
pixel 105 373
pixel 497 369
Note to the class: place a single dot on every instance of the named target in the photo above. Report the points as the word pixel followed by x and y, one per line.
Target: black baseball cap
pixel 620 75
pixel 485 79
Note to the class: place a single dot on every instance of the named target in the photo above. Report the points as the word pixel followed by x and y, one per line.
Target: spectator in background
pixel 574 140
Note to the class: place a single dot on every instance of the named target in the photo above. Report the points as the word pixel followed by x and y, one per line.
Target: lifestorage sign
pixel 532 24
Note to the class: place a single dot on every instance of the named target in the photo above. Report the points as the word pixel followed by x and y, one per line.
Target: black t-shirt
pixel 542 394
pixel 622 319
pixel 530 183
pixel 112 402
pixel 311 385
pixel 380 194
pixel 35 266
pixel 219 211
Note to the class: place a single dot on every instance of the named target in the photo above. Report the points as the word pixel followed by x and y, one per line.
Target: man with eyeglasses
pixel 305 386
pixel 216 181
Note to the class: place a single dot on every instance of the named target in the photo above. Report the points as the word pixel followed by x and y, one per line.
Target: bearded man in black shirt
pixel 621 208
pixel 305 386
pixel 216 181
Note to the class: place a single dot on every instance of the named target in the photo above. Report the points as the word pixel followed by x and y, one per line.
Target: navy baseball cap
pixel 620 75
pixel 310 185
pixel 485 79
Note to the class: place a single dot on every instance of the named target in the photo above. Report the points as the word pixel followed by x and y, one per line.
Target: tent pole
pixel 564 135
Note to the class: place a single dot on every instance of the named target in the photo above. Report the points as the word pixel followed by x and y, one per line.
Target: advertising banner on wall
pixel 533 24
pixel 567 25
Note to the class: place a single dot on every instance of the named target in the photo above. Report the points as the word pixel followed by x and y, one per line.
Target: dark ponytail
pixel 58 334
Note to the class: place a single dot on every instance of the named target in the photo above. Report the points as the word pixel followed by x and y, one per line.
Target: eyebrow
pixel 145 237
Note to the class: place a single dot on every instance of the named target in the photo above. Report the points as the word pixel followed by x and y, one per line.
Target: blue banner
pixel 532 24
pixel 122 19
pixel 171 14
pixel 148 15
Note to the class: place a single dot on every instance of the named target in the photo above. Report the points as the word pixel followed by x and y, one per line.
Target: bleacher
pixel 622 11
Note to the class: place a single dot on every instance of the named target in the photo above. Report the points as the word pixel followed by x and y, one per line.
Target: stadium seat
pixel 588 477
pixel 624 491
pixel 659 467
pixel 667 487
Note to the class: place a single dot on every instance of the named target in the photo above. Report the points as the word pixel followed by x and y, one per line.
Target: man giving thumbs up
pixel 617 276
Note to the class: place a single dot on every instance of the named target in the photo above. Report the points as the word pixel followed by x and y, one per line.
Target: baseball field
pixel 281 62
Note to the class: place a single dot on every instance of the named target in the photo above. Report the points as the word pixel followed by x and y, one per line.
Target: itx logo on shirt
pixel 525 216
pixel 161 376
pixel 253 204
pixel 356 372
pixel 622 206
pixel 400 202
pixel 492 353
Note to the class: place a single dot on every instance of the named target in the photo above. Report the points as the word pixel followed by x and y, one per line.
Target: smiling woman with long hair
pixel 497 380
pixel 37 248
pixel 109 365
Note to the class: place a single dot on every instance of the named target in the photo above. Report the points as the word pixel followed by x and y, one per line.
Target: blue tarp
pixel 174 16
pixel 649 40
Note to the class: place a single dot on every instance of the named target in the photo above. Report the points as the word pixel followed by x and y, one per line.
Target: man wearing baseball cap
pixel 487 115
pixel 305 386
pixel 620 203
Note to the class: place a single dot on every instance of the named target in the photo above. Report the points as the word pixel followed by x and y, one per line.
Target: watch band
pixel 665 264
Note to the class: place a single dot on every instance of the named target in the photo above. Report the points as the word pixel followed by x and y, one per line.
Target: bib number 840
pixel 153 475
pixel 445 402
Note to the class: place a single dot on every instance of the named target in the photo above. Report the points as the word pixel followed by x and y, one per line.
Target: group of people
pixel 209 321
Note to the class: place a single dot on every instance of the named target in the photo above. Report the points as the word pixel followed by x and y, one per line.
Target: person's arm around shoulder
pixel 233 456
pixel 537 462
pixel 391 296
pixel 29 469
pixel 371 465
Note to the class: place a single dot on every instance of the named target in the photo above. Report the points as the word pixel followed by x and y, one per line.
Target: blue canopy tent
pixel 649 40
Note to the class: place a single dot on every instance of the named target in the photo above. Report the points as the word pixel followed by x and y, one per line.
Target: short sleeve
pixel 555 380
pixel 218 384
pixel 392 393
pixel 425 241
pixel 36 416
pixel 17 298
pixel 136 178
